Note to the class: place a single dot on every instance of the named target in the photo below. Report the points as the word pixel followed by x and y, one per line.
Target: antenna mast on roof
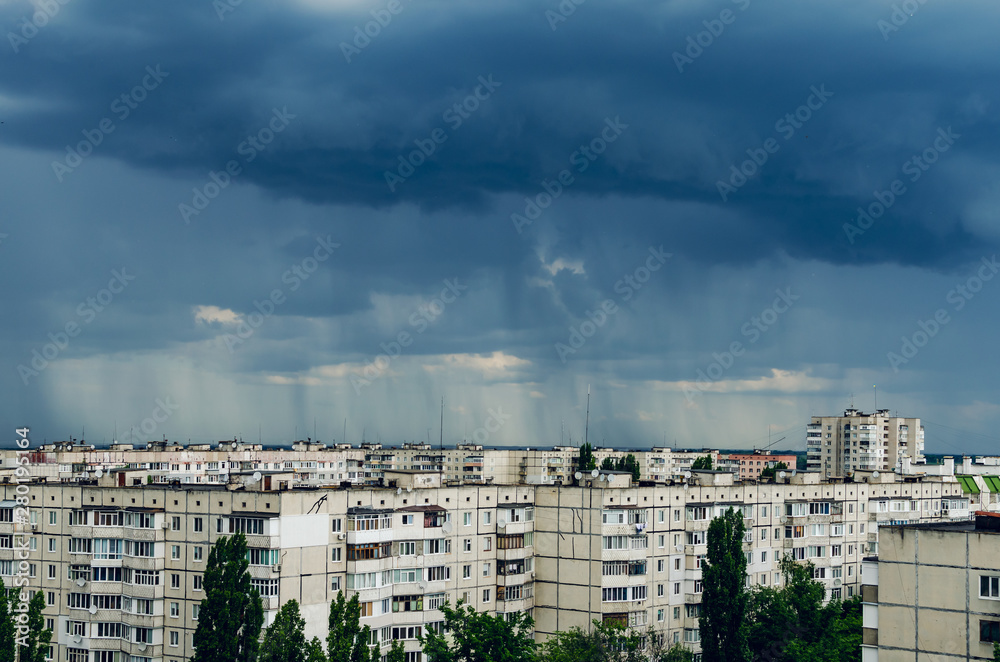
pixel 586 427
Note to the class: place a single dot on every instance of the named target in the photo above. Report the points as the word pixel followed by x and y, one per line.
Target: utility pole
pixel 586 427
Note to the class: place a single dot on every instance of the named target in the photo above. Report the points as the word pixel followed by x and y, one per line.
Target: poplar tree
pixel 8 649
pixel 724 596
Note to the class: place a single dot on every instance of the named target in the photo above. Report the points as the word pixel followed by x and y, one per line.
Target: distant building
pixel 840 445
pixel 933 592
pixel 749 465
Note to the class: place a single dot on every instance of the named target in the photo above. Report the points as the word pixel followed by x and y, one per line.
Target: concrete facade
pixel 840 445
pixel 933 592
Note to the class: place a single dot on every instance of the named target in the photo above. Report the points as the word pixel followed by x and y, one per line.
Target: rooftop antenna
pixel 314 429
pixel 562 425
pixel 258 433
pixel 441 431
pixel 586 427
pixel 876 397
pixel 345 429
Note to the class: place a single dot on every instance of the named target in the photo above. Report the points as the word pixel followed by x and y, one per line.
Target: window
pixel 438 573
pixel 198 580
pixel 837 530
pixel 989 587
pixel 108 574
pixel 659 615
pixel 697 513
pixel 335 525
pixel 268 588
pixel 836 550
pixel 77 655
pixel 407 603
pixel 487 517
pixel 199 524
pixel 763 556
pixel 174 638
pixel 52 544
pixel 334 584
pixel 198 552
pixel 989 631
pixel 175 552
pixel 661 564
pixel 819 508
pixel 258 556
pixel 487 543
pixel 53 518
pixel 407 520
pixel 467 545
pixel 335 554
pixel 677 564
pixel 435 600
pixel 134 548
pixel 763 511
pixel 52 572
pixel 677 588
pixel 439 546
pixel 486 570
pixel 410 576
pixel 698 586
pixel 466 519
pixel 796 509
pixel 659 590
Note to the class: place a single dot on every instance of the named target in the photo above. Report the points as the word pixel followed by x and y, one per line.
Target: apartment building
pixel 749 465
pixel 121 560
pixel 841 445
pixel 933 592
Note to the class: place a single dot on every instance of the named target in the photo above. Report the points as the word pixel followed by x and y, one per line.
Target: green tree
pixel 346 640
pixel 791 624
pixel 285 639
pixel 396 653
pixel 8 645
pixel 724 597
pixel 770 472
pixel 36 645
pixel 314 651
pixel 702 463
pixel 630 464
pixel 604 642
pixel 586 461
pixel 608 464
pixel 231 612
pixel 480 637
pixel 996 651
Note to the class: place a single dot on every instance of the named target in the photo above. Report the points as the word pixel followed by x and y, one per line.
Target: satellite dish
pixel 781 474
pixel 446 527
pixel 602 478
pixel 409 488
pixel 98 473
pixel 77 639
pixel 142 647
pixel 578 475
pixel 234 445
pixel 80 581
pixel 794 471
pixel 687 474
pixel 875 474
pixel 93 609
pixel 836 582
pixel 595 473
pixel 85 474
pixel 501 522
pixel 399 490
pixel 679 548
pixel 782 519
pixel 256 476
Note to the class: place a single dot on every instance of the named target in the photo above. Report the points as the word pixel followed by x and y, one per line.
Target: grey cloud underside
pixel 354 120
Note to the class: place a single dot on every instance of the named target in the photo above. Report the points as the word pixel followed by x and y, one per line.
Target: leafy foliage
pixel 480 637
pixel 724 598
pixel 314 651
pixel 770 472
pixel 627 463
pixel 37 641
pixel 346 640
pixel 232 612
pixel 285 639
pixel 8 649
pixel 703 463
pixel 792 623
pixel 586 461
pixel 610 642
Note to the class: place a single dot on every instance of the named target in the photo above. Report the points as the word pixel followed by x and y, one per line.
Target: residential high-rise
pixel 841 445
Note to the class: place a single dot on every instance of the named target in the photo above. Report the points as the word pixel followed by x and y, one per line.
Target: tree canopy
pixel 770 472
pixel 724 594
pixel 585 461
pixel 703 463
pixel 8 649
pixel 231 613
pixel 480 637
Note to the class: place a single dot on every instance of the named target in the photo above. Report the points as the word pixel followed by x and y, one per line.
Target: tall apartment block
pixel 933 592
pixel 841 445
pixel 121 560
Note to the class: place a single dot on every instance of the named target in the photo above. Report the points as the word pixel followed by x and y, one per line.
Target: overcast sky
pixel 216 216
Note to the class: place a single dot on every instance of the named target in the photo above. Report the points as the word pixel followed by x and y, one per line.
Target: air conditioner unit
pixel 341 536
pixel 166 524
pixel 276 567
